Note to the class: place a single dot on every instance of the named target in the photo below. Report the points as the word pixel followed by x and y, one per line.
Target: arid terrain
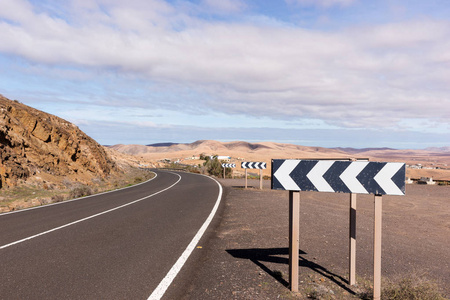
pixel 46 159
pixel 433 162
pixel 42 155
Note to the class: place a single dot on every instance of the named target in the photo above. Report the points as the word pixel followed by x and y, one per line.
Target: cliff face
pixel 36 144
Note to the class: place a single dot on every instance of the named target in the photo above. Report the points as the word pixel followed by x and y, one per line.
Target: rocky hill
pixel 36 146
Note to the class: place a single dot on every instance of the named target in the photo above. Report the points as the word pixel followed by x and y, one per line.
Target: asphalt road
pixel 117 245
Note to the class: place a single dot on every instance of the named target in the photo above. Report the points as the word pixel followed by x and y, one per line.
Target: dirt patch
pixel 247 257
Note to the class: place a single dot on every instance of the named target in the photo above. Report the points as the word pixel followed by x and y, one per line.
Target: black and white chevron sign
pixel 253 165
pixel 359 177
pixel 228 165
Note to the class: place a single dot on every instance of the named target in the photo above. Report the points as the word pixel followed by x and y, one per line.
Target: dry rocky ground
pixel 247 256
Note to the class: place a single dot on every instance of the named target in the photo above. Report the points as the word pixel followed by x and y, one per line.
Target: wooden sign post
pixel 254 165
pixel 352 241
pixel 294 230
pixel 231 166
pixel 377 248
pixel 354 177
pixel 260 179
pixel 246 176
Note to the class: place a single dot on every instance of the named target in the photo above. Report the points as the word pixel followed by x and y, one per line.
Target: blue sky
pixel 331 73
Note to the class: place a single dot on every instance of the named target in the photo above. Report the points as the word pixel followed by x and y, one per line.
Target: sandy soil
pixel 247 253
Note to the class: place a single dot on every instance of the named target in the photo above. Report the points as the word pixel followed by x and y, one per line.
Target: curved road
pixel 117 245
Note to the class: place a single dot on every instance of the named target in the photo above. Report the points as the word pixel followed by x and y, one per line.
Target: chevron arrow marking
pixel 384 178
pixel 228 165
pixel 283 175
pixel 316 175
pixel 349 177
pixel 253 165
pixel 359 177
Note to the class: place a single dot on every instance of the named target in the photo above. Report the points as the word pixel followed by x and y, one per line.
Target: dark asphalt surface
pixel 122 254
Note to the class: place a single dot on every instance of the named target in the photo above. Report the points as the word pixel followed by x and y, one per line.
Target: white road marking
pixel 173 272
pixel 90 217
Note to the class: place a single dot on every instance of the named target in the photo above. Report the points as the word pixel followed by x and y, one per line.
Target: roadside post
pixel 294 233
pixel 352 235
pixel 337 176
pixel 260 179
pixel 352 241
pixel 254 165
pixel 246 178
pixel 231 166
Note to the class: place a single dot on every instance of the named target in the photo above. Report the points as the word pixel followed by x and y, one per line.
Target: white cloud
pixel 322 3
pixel 372 76
pixel 225 6
pixel 19 10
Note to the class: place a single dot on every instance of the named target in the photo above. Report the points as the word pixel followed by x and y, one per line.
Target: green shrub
pixel 213 166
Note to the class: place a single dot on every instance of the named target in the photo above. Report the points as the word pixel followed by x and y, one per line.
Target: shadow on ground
pixel 243 187
pixel 275 255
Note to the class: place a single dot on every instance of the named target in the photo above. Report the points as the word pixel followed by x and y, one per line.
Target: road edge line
pixel 173 272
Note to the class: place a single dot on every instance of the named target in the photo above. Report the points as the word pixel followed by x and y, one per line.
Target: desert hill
pixel 238 149
pixel 38 146
pixel 433 162
pixel 208 146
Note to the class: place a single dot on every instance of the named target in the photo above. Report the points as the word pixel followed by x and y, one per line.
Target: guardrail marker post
pixel 352 240
pixel 245 178
pixel 260 179
pixel 377 248
pixel 294 224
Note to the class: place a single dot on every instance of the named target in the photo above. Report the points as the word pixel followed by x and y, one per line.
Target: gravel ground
pixel 246 252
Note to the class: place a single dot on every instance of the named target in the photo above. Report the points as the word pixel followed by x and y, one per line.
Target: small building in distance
pixel 426 180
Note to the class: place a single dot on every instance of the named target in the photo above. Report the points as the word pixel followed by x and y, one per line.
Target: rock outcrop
pixel 34 144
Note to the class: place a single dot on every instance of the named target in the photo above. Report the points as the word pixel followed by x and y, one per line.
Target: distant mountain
pixel 269 150
pixel 436 162
pixel 356 151
pixel 438 149
pixel 162 144
pixel 237 148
